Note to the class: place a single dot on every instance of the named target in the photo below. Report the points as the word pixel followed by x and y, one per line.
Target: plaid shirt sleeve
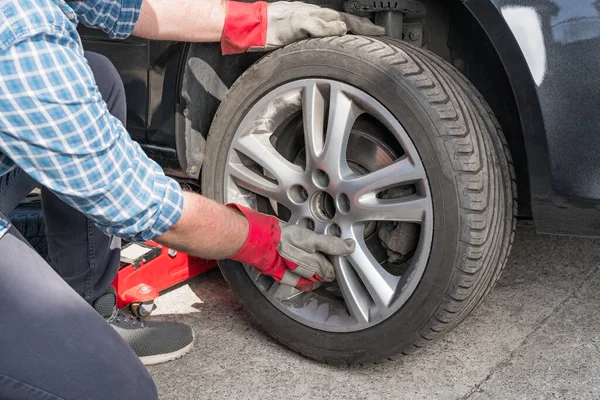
pixel 56 127
pixel 116 18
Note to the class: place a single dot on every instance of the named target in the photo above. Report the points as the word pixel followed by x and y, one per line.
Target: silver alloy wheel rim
pixel 370 294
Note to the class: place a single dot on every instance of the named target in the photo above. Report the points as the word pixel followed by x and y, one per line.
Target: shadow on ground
pixel 534 337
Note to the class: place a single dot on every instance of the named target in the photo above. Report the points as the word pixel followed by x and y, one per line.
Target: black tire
pixel 28 219
pixel 467 163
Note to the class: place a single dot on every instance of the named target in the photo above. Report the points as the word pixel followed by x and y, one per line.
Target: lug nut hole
pixel 334 230
pixel 307 223
pixel 321 178
pixel 298 194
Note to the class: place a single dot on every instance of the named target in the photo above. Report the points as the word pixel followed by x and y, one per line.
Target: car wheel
pixel 382 142
pixel 28 219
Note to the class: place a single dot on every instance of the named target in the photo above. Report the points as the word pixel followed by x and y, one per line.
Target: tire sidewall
pixel 421 123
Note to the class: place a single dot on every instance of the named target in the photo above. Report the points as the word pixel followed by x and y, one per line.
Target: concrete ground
pixel 536 336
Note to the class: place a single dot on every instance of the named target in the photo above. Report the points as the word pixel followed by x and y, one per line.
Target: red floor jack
pixel 149 268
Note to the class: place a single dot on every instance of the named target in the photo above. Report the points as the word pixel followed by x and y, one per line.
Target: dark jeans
pixel 53 345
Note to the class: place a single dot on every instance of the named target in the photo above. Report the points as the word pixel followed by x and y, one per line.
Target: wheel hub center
pixel 322 206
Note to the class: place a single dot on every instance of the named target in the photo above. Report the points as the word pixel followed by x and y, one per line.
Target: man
pixel 61 127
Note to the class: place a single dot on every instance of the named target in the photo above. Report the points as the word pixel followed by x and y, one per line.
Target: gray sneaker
pixel 154 342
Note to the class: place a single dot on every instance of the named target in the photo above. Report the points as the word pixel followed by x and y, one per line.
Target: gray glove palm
pixel 292 255
pixel 308 250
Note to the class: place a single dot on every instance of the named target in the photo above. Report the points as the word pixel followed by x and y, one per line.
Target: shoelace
pixel 118 316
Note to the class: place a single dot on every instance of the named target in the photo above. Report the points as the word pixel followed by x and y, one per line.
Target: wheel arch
pixel 482 46
pixel 527 105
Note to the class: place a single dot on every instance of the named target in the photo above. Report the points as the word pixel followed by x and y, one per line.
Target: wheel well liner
pixel 205 78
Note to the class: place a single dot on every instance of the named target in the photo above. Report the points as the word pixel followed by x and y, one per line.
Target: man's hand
pixel 261 26
pixel 292 255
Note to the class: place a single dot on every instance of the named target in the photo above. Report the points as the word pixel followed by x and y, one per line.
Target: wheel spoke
pixel 402 171
pixel 380 283
pixel 294 219
pixel 343 112
pixel 411 208
pixel 265 155
pixel 313 112
pixel 355 296
pixel 254 182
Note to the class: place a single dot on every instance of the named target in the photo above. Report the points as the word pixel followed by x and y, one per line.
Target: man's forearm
pixel 206 229
pixel 181 20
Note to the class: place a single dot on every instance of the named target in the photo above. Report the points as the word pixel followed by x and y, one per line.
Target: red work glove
pixel 292 255
pixel 263 26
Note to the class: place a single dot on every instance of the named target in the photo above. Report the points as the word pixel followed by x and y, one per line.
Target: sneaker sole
pixel 163 358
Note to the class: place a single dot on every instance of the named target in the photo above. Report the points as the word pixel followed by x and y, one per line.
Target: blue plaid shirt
pixel 56 127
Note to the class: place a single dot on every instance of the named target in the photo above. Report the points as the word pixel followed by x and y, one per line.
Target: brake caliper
pixel 400 239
